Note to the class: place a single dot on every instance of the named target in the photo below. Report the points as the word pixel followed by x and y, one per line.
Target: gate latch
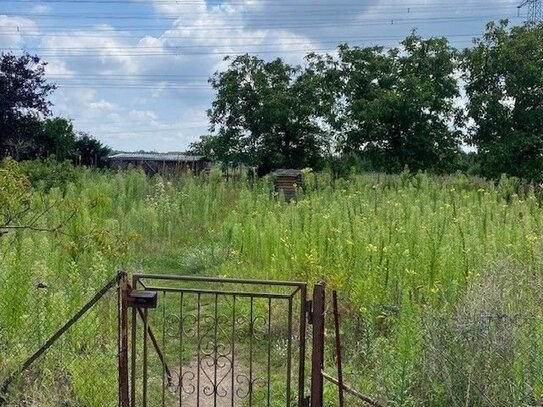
pixel 142 299
pixel 309 311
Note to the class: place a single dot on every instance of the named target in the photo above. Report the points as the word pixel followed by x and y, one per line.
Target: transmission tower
pixel 534 10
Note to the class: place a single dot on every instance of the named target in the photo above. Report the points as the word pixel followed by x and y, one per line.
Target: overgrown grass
pixel 409 254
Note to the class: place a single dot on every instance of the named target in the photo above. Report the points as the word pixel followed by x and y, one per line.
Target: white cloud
pixel 142 115
pixel 57 67
pixel 81 103
pixel 181 9
pixel 202 35
pixel 15 31
pixel 40 9
pixel 100 106
pixel 84 50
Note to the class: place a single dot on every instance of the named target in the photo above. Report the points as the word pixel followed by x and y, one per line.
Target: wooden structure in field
pixel 287 182
pixel 161 164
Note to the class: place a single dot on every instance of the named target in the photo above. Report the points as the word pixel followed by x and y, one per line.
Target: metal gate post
pixel 338 350
pixel 123 341
pixel 317 357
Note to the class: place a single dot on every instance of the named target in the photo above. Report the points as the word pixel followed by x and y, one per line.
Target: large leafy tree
pixel 395 108
pixel 265 114
pixel 24 102
pixel 504 85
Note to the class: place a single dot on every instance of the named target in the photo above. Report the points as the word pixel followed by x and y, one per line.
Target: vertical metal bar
pixel 159 352
pixel 145 327
pixel 134 351
pixel 119 345
pixel 233 348
pixel 289 352
pixel 164 347
pixel 251 333
pixel 123 342
pixel 155 345
pixel 338 350
pixel 198 350
pixel 302 333
pixel 180 378
pixel 269 349
pixel 317 357
pixel 216 323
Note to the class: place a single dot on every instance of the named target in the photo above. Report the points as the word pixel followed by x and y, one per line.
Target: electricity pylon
pixel 534 10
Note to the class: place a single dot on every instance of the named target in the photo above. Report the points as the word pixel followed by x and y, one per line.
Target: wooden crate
pixel 287 182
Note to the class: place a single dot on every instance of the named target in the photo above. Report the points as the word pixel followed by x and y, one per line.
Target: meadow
pixel 439 277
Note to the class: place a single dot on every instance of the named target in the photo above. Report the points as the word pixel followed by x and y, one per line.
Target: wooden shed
pixel 287 181
pixel 162 164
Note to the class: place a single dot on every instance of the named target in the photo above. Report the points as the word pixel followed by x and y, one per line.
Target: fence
pixel 46 362
pixel 181 347
pixel 436 359
pixel 433 359
pixel 485 360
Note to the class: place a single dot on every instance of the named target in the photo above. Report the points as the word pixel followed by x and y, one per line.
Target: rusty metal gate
pixel 201 342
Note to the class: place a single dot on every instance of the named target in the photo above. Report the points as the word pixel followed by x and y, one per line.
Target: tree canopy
pixel 265 115
pixel 504 86
pixel 90 151
pixel 415 106
pixel 27 128
pixel 396 107
pixel 58 138
pixel 24 101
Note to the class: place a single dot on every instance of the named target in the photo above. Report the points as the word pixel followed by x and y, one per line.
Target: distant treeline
pixel 419 106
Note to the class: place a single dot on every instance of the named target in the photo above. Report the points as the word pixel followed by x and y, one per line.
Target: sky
pixel 134 73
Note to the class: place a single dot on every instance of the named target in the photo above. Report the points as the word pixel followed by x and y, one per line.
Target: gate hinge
pixel 309 311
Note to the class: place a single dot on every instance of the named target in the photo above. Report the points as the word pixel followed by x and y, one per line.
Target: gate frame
pixel 126 375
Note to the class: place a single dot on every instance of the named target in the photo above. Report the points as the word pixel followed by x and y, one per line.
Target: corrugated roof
pixel 287 173
pixel 156 157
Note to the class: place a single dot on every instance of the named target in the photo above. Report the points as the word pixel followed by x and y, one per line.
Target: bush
pixel 50 173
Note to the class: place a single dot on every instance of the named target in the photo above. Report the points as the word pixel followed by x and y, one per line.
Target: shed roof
pixel 287 173
pixel 155 157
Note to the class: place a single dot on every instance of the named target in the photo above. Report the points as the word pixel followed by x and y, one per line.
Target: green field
pixel 439 277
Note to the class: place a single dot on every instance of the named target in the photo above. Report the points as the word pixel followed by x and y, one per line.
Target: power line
pixel 267 3
pixel 206 50
pixel 150 132
pixel 193 53
pixel 129 76
pixel 328 8
pixel 236 44
pixel 120 29
pixel 534 10
pixel 184 53
pixel 178 124
pixel 181 53
pixel 338 38
pixel 307 17
pixel 327 23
